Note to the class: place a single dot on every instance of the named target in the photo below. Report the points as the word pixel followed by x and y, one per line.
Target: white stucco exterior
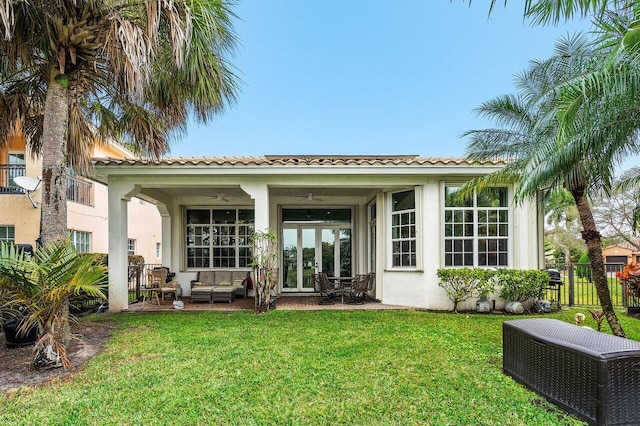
pixel 271 185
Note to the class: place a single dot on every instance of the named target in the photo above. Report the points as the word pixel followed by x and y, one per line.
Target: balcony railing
pixel 79 191
pixel 7 173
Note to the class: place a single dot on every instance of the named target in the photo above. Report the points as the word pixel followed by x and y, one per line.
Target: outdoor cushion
pixel 225 283
pixel 199 284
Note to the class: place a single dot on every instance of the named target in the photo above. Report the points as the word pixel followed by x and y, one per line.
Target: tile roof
pixel 625 245
pixel 299 160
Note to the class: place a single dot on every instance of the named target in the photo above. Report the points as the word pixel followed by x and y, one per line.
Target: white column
pixel 260 195
pixel 165 217
pixel 119 195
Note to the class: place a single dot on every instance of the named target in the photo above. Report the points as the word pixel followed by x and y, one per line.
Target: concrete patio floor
pixel 300 303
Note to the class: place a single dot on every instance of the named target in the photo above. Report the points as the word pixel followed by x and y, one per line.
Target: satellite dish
pixel 29 184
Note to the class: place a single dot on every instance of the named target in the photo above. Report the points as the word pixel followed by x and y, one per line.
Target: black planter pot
pixel 14 339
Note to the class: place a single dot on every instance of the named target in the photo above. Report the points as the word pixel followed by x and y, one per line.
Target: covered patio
pixel 286 303
pixel 390 216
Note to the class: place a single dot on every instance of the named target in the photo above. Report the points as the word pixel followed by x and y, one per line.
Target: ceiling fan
pixel 220 196
pixel 308 197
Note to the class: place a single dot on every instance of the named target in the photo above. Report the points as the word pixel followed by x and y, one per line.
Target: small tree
pixel 583 268
pixel 43 285
pixel 265 257
pixel 461 284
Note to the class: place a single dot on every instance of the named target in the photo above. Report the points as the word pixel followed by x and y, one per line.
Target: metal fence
pixel 578 288
pixel 138 278
pixel 79 191
pixel 7 173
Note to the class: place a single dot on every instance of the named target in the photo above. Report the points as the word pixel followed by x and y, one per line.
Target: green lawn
pixel 294 367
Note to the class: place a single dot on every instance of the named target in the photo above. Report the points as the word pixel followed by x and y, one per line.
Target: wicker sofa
pixel 219 285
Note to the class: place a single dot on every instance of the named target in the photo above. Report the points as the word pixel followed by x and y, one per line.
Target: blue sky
pixel 368 76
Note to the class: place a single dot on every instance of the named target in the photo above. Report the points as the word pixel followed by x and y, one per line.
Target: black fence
pixel 578 288
pixel 7 173
pixel 137 279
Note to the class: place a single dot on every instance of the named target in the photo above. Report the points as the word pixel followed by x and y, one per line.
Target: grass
pixel 295 367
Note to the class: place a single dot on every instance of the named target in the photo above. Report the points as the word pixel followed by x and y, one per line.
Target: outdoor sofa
pixel 220 285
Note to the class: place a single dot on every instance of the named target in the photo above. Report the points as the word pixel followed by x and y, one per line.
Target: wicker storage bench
pixel 594 375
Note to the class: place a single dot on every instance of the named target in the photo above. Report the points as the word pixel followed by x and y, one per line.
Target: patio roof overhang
pixel 286 176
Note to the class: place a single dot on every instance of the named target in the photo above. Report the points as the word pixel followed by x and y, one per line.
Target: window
pixel 158 252
pixel 476 229
pixel 81 241
pixel 7 233
pixel 15 168
pixel 403 228
pixel 131 246
pixel 219 238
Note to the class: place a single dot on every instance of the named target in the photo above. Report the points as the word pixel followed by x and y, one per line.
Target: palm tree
pixel 43 285
pixel 553 11
pixel 546 156
pixel 74 73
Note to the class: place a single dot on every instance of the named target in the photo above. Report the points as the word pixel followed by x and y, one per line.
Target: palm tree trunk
pixel 591 237
pixel 54 147
pixel 53 220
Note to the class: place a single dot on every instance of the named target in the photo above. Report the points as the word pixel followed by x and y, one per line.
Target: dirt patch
pixel 15 364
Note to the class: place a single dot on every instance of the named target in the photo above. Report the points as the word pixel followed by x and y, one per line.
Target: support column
pixel 119 195
pixel 260 195
pixel 167 258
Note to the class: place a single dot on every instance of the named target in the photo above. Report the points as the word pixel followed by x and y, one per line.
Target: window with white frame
pixel 131 246
pixel 7 233
pixel 403 228
pixel 81 241
pixel 476 229
pixel 219 238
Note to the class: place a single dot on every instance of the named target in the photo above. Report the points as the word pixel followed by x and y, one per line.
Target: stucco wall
pixel 420 288
pixel 144 223
pixel 16 209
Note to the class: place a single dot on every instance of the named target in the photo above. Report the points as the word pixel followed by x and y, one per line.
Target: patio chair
pixel 359 288
pixel 151 289
pixel 326 288
pixel 157 283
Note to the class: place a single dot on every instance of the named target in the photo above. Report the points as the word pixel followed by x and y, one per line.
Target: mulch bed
pixel 15 364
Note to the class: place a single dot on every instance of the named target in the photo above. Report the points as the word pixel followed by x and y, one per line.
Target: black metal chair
pixel 326 288
pixel 359 288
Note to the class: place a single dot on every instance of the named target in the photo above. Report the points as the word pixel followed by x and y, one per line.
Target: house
pixel 86 206
pixel 620 254
pixel 392 215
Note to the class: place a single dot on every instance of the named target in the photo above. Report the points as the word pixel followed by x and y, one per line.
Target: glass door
pixel 308 249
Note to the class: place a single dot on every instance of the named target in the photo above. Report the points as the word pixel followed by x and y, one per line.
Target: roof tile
pixel 351 160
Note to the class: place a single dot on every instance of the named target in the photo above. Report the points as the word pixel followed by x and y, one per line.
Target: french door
pixel 311 248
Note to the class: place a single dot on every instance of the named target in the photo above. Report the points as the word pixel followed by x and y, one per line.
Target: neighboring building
pixel 86 208
pixel 620 253
pixel 343 215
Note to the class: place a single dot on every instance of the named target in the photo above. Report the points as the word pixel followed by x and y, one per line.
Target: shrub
pixel 521 284
pixel 132 259
pixel 583 269
pixel 462 283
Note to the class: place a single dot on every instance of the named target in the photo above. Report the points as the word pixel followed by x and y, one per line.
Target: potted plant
pixel 630 280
